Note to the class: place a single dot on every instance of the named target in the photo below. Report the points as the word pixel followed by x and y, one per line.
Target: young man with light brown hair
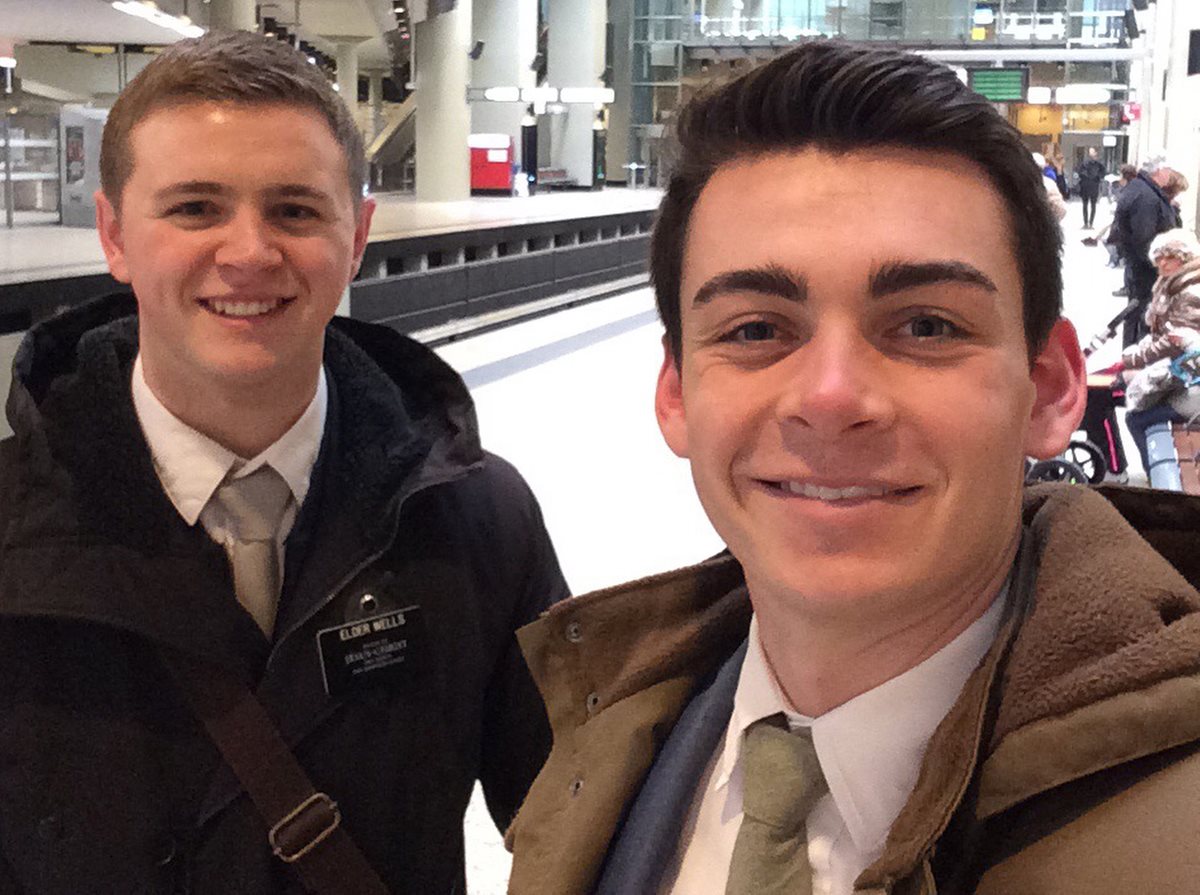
pixel 258 579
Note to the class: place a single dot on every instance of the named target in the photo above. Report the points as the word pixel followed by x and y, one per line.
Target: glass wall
pixel 913 21
pixel 677 45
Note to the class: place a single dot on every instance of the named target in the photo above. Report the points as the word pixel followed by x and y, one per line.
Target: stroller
pixel 1092 459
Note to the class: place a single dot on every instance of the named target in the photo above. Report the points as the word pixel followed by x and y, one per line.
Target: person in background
pixel 258 578
pixel 1143 211
pixel 1173 321
pixel 1091 174
pixel 1053 195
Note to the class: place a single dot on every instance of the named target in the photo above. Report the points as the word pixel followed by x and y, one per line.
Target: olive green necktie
pixel 782 782
pixel 256 504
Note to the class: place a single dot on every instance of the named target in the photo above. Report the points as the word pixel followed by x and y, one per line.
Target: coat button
pixel 593 700
pixel 574 632
pixel 368 603
pixel 576 786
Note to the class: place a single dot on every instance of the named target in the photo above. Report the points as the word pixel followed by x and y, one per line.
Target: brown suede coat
pixel 1070 764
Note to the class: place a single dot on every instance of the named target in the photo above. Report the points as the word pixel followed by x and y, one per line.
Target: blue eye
pixel 297 212
pixel 190 209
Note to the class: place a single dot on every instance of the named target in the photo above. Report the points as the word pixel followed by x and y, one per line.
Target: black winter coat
pixel 108 784
pixel 1143 211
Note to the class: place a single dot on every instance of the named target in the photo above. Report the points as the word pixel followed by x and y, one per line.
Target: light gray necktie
pixel 256 504
pixel 782 782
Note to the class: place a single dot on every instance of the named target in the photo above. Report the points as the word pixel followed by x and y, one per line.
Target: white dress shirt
pixel 191 466
pixel 870 750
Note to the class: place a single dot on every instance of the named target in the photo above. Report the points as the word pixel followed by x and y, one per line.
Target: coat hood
pixel 82 500
pixel 1105 669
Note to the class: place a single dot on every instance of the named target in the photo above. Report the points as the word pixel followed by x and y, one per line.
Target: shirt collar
pixel 870 748
pixel 191 465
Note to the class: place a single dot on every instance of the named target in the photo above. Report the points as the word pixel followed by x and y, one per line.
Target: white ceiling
pixel 323 22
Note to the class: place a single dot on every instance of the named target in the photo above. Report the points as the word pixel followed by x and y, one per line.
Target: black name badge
pixel 382 650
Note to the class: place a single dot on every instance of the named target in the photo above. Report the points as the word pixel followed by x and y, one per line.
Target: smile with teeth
pixel 853 492
pixel 245 308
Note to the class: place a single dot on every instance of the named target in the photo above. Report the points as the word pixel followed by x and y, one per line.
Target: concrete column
pixel 1182 138
pixel 232 15
pixel 347 75
pixel 575 58
pixel 375 98
pixel 508 30
pixel 1152 129
pixel 620 111
pixel 443 118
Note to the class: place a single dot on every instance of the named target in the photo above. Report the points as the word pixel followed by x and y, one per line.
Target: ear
pixel 362 229
pixel 108 225
pixel 668 404
pixel 1060 381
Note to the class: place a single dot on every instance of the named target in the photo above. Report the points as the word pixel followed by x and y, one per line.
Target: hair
pixel 1176 184
pixel 1180 243
pixel 1129 172
pixel 839 98
pixel 225 67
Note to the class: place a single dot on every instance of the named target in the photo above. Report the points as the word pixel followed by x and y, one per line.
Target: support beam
pixel 444 122
pixel 232 15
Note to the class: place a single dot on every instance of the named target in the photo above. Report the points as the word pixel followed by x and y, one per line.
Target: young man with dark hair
pixel 258 579
pixel 910 676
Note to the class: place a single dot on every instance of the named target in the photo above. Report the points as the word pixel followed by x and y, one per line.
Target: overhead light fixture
pixel 151 13
pixel 539 94
pixel 586 95
pixel 502 94
pixel 8 62
pixel 1082 95
pixel 1038 96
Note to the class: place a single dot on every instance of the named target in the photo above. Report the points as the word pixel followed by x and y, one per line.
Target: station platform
pixel 29 254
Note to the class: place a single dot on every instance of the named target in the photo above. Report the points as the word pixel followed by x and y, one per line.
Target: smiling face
pixel 855 393
pixel 238 233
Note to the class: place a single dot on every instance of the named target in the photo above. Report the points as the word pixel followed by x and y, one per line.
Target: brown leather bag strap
pixel 304 825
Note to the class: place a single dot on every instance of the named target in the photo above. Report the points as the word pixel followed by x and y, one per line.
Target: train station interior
pixel 518 150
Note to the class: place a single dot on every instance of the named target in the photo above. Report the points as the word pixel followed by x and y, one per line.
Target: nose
pixel 248 244
pixel 836 385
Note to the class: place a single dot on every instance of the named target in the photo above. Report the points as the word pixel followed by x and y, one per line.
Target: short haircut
pixel 1176 184
pixel 233 67
pixel 1128 172
pixel 839 98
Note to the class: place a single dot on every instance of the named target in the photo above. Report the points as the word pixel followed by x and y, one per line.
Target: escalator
pixel 391 152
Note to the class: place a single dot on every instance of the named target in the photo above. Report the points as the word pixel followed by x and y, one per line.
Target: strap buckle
pixel 304 828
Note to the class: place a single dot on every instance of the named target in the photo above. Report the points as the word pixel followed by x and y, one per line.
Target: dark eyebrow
pixel 769 280
pixel 897 276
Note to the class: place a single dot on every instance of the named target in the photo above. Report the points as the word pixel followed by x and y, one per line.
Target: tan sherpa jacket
pixel 1070 764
